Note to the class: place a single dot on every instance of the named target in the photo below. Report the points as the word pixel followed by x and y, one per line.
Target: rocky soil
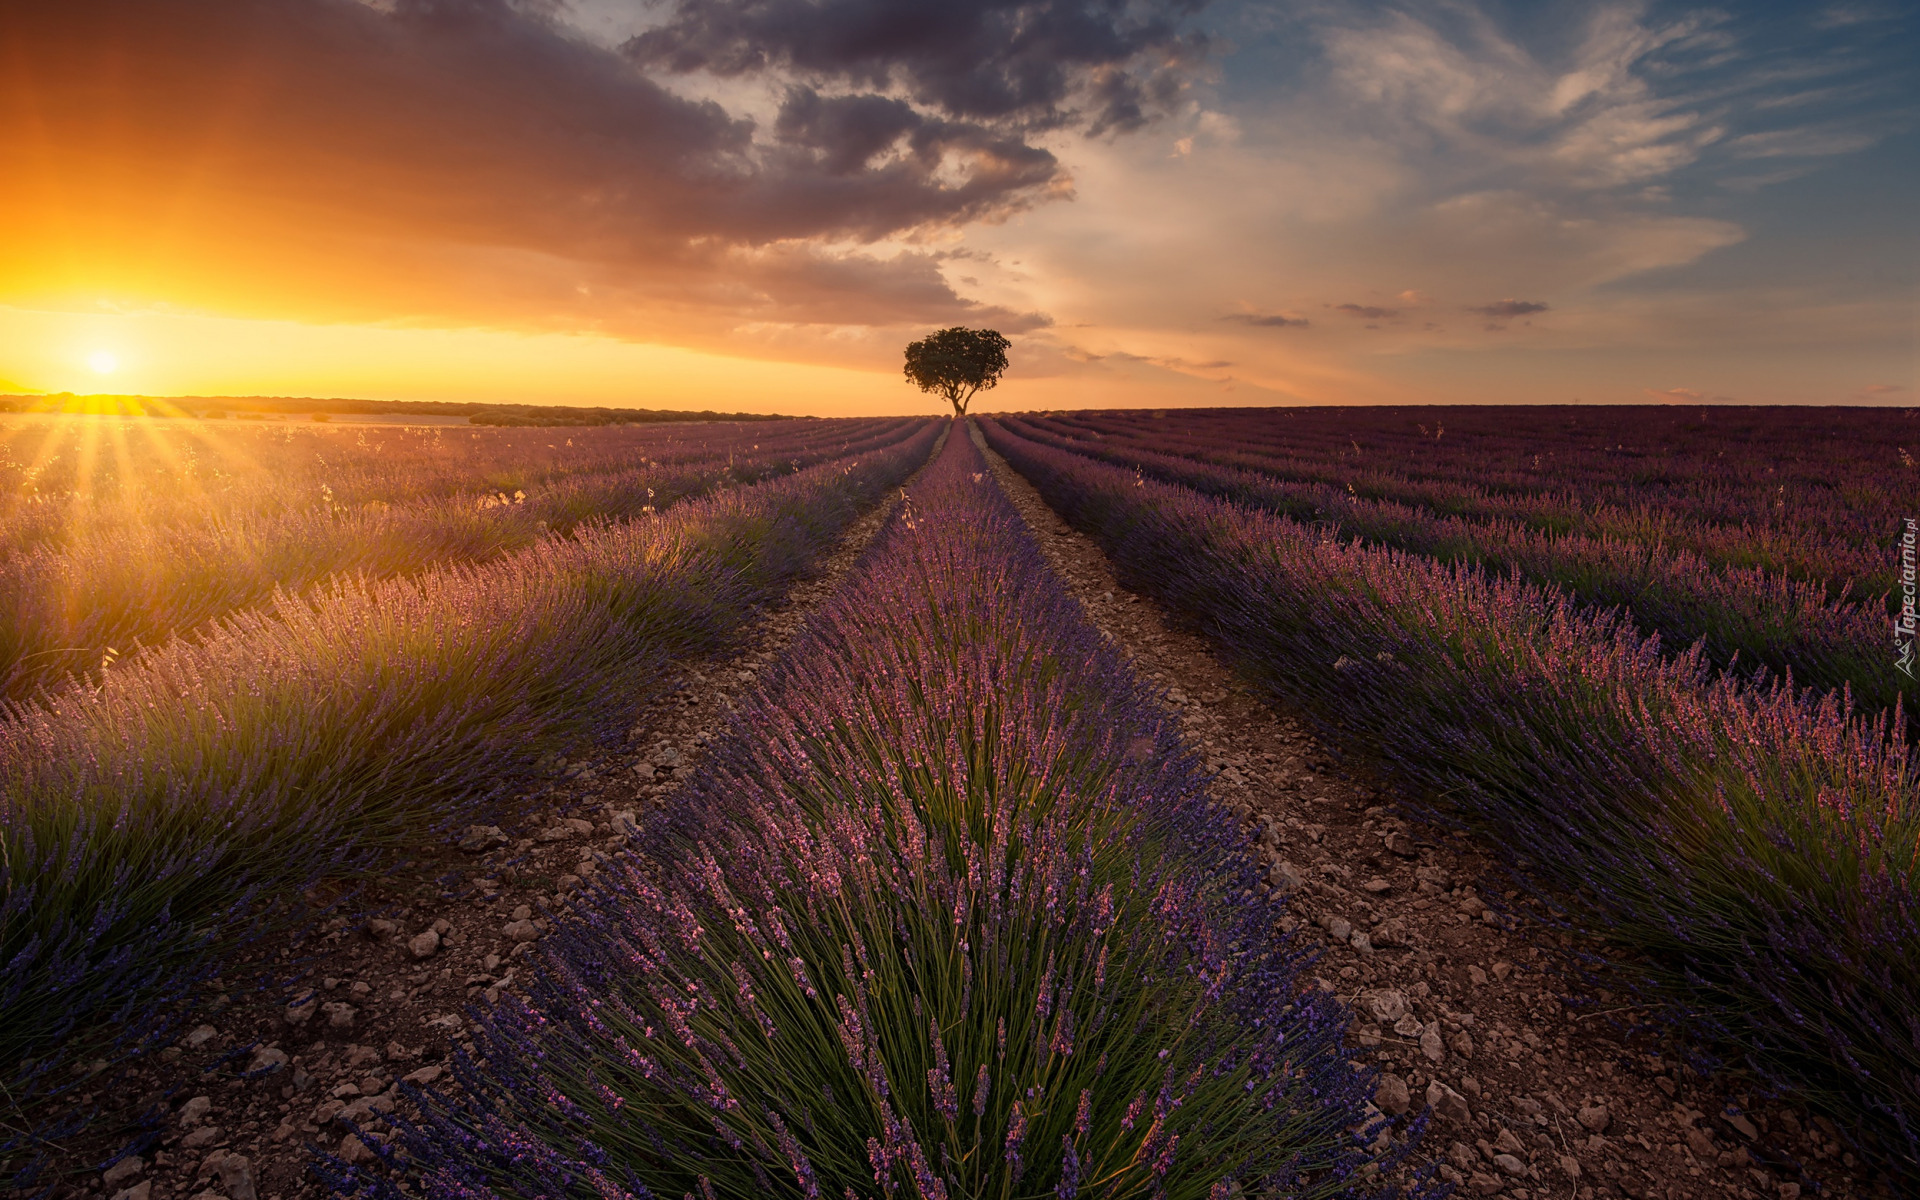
pixel 1536 1092
pixel 1538 1086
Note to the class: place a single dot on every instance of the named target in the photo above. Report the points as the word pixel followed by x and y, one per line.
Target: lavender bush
pixel 1752 847
pixel 63 478
pixel 1816 494
pixel 1746 616
pixel 147 819
pixel 947 914
pixel 106 586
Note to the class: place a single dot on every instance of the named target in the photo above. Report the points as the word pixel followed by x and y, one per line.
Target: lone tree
pixel 957 363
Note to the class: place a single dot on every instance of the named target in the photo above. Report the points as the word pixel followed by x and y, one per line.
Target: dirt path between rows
pixel 389 993
pixel 1464 1007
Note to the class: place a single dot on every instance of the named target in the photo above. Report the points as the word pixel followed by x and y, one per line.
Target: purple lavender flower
pixel 1731 831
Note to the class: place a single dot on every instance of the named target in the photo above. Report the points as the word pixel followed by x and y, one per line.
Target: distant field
pixel 281 408
pixel 29 418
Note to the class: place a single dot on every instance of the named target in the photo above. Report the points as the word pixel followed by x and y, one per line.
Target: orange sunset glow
pixel 696 205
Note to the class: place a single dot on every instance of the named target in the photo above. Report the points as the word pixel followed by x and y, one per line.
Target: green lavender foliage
pixel 143 820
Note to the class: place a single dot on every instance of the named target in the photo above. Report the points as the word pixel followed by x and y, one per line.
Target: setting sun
pixel 105 362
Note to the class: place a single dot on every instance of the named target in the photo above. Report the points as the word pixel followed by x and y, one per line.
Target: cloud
pixel 796 284
pixel 1839 16
pixel 1588 117
pixel 1806 142
pixel 1684 395
pixel 480 161
pixel 1369 311
pixel 1165 361
pixel 1267 320
pixel 1881 389
pixel 1507 310
pixel 1029 64
pixel 1627 97
pixel 846 131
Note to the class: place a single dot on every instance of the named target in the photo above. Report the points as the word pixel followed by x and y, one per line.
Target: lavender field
pixel 949 910
pixel 121 536
pixel 953 907
pixel 158 810
pixel 1652 658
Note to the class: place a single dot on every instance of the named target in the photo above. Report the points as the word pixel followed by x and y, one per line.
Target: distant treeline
pixel 260 406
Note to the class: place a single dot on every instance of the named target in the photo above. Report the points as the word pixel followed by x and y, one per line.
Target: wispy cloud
pixel 1807 142
pixel 1840 16
pixel 1590 121
pixel 1268 320
pixel 1634 99
pixel 1685 395
pixel 1506 310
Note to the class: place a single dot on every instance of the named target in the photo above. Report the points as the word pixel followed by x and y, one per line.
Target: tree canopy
pixel 956 363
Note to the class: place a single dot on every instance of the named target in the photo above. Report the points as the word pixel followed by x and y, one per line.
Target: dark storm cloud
pixel 1369 311
pixel 868 164
pixel 1106 64
pixel 847 131
pixel 1506 310
pixel 1267 320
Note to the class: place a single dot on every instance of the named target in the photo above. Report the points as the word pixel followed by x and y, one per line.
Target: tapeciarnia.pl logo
pixel 1903 625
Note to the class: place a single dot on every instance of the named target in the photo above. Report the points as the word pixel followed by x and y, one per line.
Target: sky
pixel 755 204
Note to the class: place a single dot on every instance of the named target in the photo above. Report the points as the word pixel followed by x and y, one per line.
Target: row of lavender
pixel 67 607
pixel 1752 850
pixel 67 476
pixel 1817 495
pixel 1824 480
pixel 147 821
pixel 1747 616
pixel 947 914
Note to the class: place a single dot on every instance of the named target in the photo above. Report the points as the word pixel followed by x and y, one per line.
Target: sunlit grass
pixel 130 570
pixel 146 819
